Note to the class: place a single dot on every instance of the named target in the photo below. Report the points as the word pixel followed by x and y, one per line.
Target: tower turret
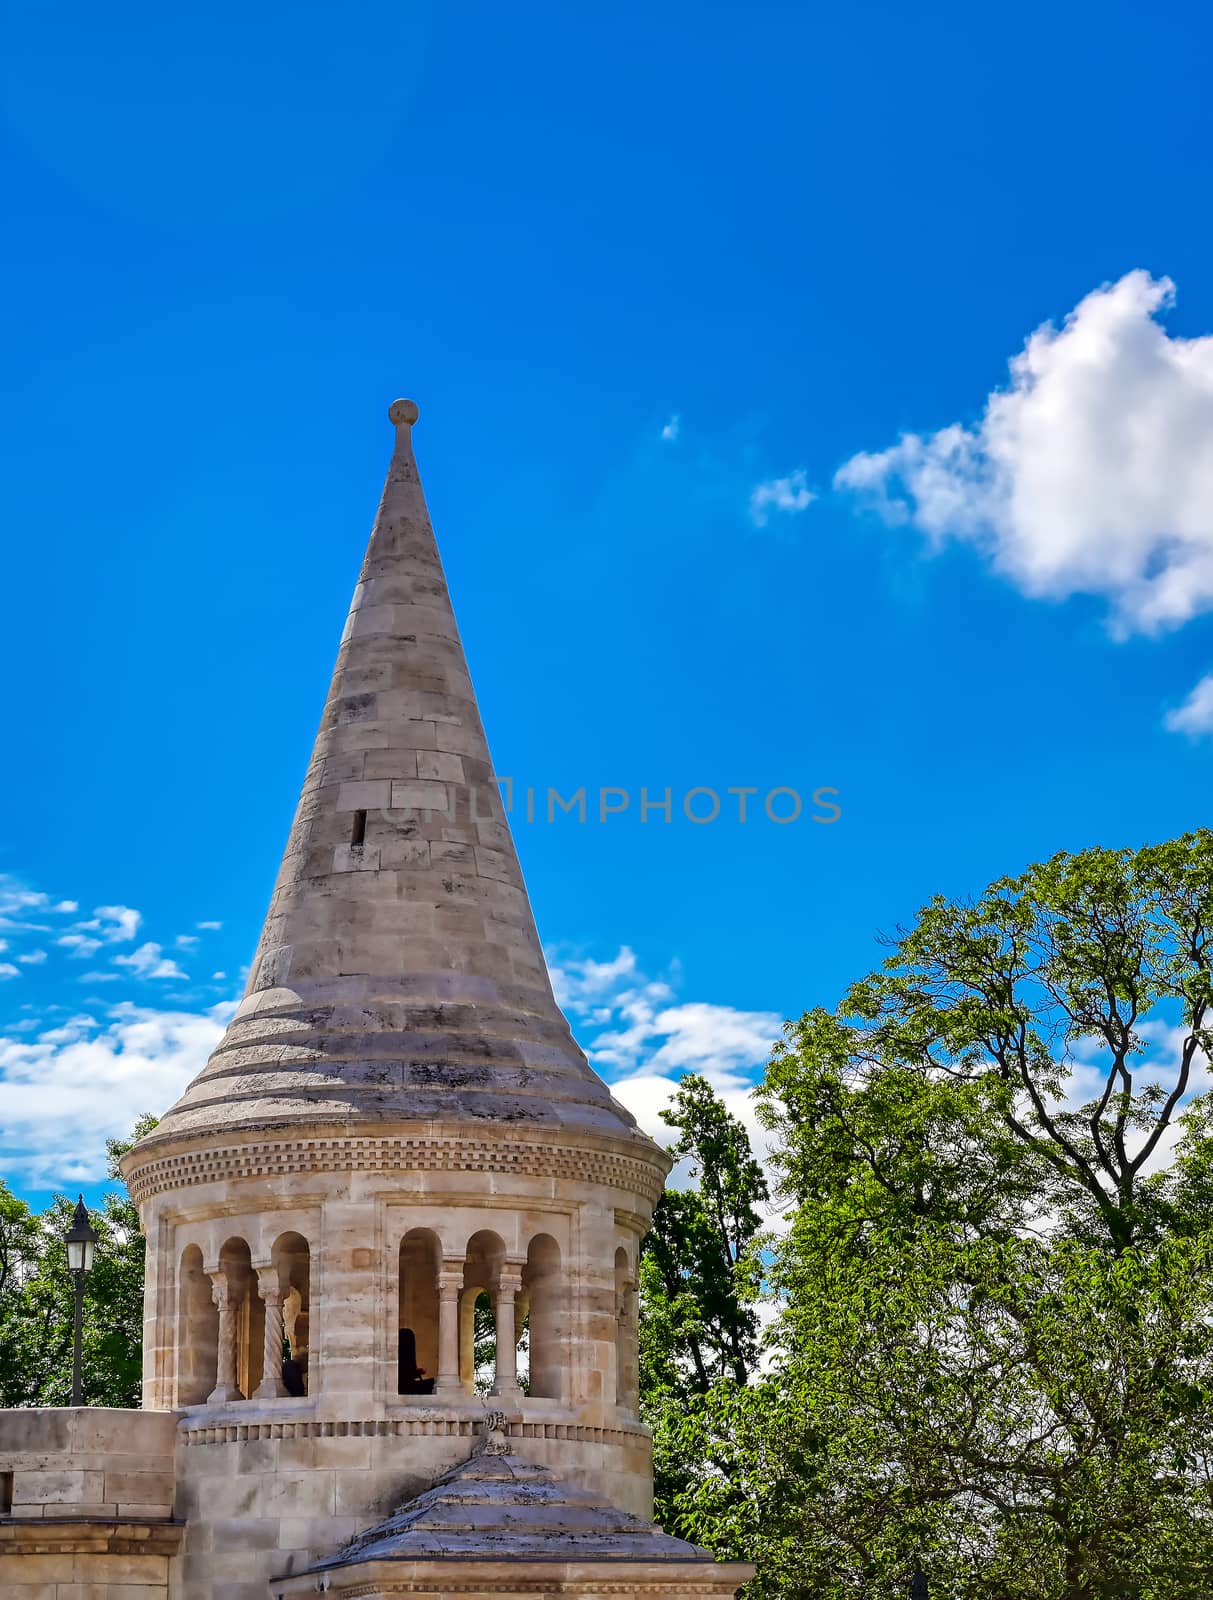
pixel 396 1147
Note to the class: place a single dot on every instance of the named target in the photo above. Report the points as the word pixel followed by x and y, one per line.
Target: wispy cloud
pixel 15 896
pixel 113 924
pixel 63 1093
pixel 1195 716
pixel 148 961
pixel 790 495
pixel 672 429
pixel 642 1039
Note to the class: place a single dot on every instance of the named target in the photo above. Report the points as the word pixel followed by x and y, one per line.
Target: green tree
pixel 700 1276
pixel 994 1353
pixel 37 1300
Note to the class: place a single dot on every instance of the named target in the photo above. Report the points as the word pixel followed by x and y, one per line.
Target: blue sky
pixel 710 315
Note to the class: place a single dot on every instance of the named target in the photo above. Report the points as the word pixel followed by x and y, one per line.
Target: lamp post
pixel 81 1243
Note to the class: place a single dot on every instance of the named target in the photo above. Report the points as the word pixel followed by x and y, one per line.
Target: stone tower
pixel 397 1136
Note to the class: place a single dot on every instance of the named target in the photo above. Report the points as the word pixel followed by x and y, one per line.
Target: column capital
pixel 221 1288
pixel 273 1285
pixel 509 1283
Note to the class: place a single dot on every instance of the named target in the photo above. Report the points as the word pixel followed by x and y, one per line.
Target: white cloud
pixel 14 896
pixel 114 924
pixel 17 899
pixel 100 977
pixel 672 428
pixel 216 976
pixel 186 941
pixel 635 1024
pixel 642 1040
pixel 65 1092
pixel 1089 474
pixel 791 494
pixel 80 944
pixel 1195 716
pixel 211 927
pixel 33 958
pixel 7 970
pixel 577 983
pixel 149 962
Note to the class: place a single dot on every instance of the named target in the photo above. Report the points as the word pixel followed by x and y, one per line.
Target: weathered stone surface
pixel 379 955
pixel 397 1125
pixel 89 1461
pixel 500 1505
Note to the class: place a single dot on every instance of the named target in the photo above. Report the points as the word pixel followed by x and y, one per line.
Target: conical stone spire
pixel 399 977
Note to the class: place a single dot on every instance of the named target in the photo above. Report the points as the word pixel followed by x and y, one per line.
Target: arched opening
pixel 477 1330
pixel 626 1354
pixel 543 1285
pixel 417 1324
pixel 292 1261
pixel 197 1331
pixel 247 1313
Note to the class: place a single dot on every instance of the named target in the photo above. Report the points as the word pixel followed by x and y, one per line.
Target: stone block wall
pixel 267 1489
pixel 88 1496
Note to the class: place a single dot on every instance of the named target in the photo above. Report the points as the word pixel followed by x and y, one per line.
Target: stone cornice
pixel 137 1536
pixel 232 1429
pixel 676 1580
pixel 173 1167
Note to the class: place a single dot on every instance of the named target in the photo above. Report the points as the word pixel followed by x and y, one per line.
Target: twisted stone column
pixel 505 1378
pixel 450 1286
pixel 269 1287
pixel 228 1302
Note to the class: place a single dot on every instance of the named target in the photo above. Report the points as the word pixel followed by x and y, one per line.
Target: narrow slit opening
pixel 358 831
pixel 6 1494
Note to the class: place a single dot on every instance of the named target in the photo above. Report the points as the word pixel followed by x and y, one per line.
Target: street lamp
pixel 81 1243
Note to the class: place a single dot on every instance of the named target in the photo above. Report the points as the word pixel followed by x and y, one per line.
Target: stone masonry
pixel 397 1134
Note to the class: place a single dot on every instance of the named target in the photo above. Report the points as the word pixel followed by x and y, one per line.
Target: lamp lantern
pixel 81 1241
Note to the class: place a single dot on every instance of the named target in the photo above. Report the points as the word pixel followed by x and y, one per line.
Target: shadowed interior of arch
pixel 417 1325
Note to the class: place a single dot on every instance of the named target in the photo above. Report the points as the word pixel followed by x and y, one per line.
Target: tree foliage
pixel 699 1281
pixel 990 1349
pixel 993 1353
pixel 37 1300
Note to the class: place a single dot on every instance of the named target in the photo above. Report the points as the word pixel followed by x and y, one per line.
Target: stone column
pixel 269 1287
pixel 228 1302
pixel 505 1378
pixel 450 1287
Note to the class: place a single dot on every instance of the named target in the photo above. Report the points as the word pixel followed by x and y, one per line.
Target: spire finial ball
pixel 403 411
